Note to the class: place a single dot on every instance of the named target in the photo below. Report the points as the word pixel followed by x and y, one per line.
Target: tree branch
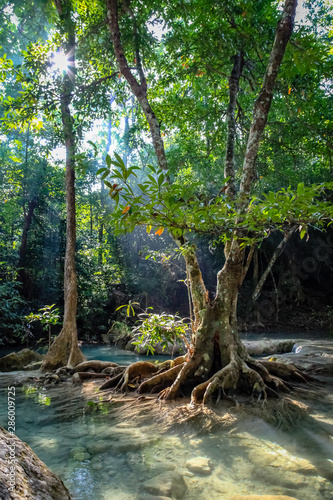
pixel 138 89
pixel 229 168
pixel 97 82
pixel 279 249
pixel 264 100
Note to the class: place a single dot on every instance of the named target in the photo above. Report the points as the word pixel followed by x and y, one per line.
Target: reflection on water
pixel 102 456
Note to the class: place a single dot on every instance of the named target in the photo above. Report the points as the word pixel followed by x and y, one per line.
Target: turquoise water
pixel 102 453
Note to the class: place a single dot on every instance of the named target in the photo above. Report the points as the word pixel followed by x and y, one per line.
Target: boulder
pixel 19 360
pixel 168 484
pixel 313 356
pixel 28 477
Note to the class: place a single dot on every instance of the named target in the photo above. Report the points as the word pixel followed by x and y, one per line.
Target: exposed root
pixel 287 372
pixel 225 379
pixel 90 375
pixel 135 373
pixel 112 382
pixel 241 377
pixel 187 370
pixel 164 378
pixel 96 365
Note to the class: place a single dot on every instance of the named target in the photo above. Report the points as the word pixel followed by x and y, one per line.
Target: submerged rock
pixel 31 479
pixel 21 360
pixel 199 465
pixel 262 497
pixel 79 454
pixel 153 497
pixel 276 459
pixel 167 484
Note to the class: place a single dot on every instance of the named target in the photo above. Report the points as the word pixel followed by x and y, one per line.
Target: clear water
pixel 102 455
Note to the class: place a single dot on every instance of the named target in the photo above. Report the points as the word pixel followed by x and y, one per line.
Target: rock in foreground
pixel 199 465
pixel 33 480
pixel 167 484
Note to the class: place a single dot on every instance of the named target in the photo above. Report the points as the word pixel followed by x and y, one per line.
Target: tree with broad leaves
pixel 218 362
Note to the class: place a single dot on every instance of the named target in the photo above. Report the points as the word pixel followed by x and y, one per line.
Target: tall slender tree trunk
pixel 65 349
pixel 23 273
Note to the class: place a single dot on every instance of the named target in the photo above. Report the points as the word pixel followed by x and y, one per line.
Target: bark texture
pixel 65 349
pixel 229 168
pixel 23 273
pixel 264 100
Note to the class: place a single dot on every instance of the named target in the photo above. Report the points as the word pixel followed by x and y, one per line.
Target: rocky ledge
pixel 23 475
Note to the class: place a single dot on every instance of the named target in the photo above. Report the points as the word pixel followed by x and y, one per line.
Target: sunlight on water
pixel 101 455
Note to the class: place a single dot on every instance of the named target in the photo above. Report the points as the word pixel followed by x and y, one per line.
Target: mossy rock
pixel 19 360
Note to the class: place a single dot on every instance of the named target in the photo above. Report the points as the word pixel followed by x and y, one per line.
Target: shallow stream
pixel 102 454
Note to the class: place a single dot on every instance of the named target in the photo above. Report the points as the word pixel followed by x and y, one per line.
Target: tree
pixel 65 349
pixel 219 362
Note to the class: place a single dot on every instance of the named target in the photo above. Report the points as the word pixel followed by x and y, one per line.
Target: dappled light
pixel 166 262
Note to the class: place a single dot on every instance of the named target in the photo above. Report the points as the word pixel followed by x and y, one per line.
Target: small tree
pixel 47 316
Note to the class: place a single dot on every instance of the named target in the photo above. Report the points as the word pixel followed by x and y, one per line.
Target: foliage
pixel 164 328
pixel 11 307
pixel 47 316
pixel 182 209
pixel 129 308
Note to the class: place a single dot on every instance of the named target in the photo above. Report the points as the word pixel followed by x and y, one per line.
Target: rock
pixel 99 447
pixel 16 361
pixel 260 347
pixel 199 465
pixel 167 484
pixel 276 459
pixel 316 356
pixel 129 346
pixel 79 454
pixel 35 365
pixel 152 497
pixel 33 480
pixel 76 379
pixel 160 468
pixel 262 497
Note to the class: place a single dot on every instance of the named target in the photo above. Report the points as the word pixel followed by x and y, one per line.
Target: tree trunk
pixel 23 274
pixel 65 349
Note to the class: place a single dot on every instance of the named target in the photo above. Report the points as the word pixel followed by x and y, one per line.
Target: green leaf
pixel 300 189
pixel 108 160
pixel 100 170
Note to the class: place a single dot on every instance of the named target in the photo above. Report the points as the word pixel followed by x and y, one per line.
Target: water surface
pixel 101 454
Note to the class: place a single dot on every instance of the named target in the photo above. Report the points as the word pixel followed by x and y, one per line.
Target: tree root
pixel 90 375
pixel 288 372
pixel 136 373
pixel 187 370
pixel 112 382
pixel 96 365
pixel 255 379
pixel 160 379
